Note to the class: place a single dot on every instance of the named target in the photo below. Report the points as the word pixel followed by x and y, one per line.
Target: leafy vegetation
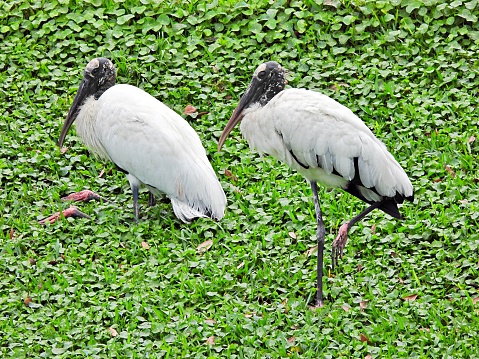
pixel 107 287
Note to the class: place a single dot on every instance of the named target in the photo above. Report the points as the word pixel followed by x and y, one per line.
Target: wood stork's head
pixel 99 76
pixel 268 80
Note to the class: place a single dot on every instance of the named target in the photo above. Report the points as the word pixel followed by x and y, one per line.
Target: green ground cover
pixel 110 288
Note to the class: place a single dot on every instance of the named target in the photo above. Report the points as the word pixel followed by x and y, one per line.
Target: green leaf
pixel 163 19
pixel 124 19
pixel 255 27
pixel 301 26
pixel 466 14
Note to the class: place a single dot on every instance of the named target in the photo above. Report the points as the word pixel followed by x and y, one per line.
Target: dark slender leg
pixel 134 189
pixel 340 242
pixel 151 199
pixel 320 233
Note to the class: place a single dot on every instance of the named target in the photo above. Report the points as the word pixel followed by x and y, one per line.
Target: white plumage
pixel 323 135
pixel 154 145
pixel 325 142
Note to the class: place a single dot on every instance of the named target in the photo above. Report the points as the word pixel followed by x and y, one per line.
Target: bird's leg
pixel 135 186
pixel 69 212
pixel 134 189
pixel 84 196
pixel 320 233
pixel 340 242
pixel 151 199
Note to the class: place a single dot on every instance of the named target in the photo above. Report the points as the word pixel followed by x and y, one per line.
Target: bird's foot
pixel 316 305
pixel 338 244
pixel 84 196
pixel 69 212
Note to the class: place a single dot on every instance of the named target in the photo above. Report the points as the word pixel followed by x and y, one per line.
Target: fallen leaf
pixel 363 305
pixel 145 245
pixel 291 340
pixel 231 176
pixel 215 69
pixel 425 329
pixel 27 301
pixel 411 297
pixel 471 139
pixel 369 356
pixel 64 149
pixel 437 180
pixel 364 338
pixel 292 235
pixel 337 86
pixel 191 111
pixel 113 332
pixel 475 300
pixel 360 267
pixel 401 280
pixel 12 233
pixel 32 261
pixel 373 228
pixel 102 172
pixel 451 171
pixel 346 307
pixel 394 254
pixel 203 247
pixel 463 201
pixel 241 265
pixel 210 340
pixel 311 250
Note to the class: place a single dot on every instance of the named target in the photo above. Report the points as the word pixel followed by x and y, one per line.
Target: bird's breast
pixel 87 127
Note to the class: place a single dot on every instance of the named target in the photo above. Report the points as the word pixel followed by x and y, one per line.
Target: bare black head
pixel 268 80
pixel 99 76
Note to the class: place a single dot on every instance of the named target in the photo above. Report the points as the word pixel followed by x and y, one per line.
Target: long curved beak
pixel 83 91
pixel 237 115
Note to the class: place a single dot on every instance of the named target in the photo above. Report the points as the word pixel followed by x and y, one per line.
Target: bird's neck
pixel 87 129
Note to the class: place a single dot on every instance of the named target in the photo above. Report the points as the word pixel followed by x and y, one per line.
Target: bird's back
pixel 150 141
pixel 326 142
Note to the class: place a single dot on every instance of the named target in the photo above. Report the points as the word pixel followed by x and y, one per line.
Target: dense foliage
pixel 107 287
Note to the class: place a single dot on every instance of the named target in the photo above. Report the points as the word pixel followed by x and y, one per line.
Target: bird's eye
pixel 262 75
pixel 94 71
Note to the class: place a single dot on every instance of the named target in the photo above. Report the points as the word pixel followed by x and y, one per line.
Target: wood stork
pixel 325 142
pixel 148 141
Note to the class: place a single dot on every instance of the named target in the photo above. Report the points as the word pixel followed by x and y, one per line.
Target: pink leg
pixel 339 243
pixel 69 212
pixel 84 196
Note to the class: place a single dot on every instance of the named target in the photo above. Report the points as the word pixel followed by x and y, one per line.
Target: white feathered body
pixel 156 146
pixel 325 138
